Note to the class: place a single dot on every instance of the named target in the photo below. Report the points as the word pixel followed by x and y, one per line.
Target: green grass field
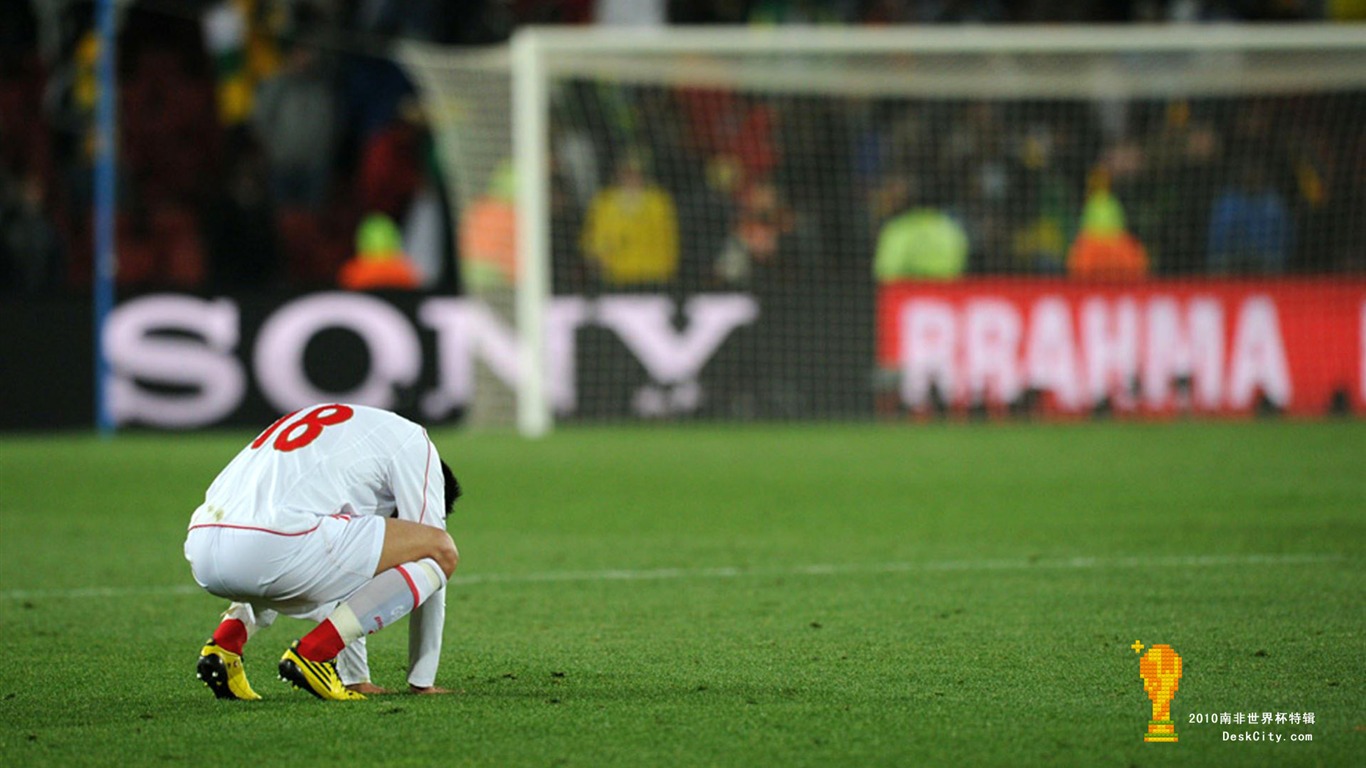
pixel 851 596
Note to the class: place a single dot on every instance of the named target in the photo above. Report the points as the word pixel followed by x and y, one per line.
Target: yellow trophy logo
pixel 1160 669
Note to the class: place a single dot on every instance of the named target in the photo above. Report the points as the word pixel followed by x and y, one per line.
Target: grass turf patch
pixel 852 595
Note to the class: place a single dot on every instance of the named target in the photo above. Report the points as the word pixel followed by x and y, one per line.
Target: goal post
pixel 531 150
pixel 769 171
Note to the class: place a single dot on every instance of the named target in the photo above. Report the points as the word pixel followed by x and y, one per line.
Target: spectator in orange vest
pixel 379 262
pixel 488 234
pixel 1104 249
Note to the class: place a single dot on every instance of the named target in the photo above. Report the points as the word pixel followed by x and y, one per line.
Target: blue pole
pixel 106 175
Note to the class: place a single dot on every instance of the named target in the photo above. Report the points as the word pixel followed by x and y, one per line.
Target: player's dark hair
pixel 452 487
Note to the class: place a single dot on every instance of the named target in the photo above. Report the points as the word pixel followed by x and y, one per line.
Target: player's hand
pixel 430 690
pixel 368 689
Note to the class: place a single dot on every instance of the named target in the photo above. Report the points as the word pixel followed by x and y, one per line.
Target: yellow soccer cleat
pixel 317 677
pixel 223 672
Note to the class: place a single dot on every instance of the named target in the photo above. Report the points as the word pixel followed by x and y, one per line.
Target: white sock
pixel 388 597
pixel 252 619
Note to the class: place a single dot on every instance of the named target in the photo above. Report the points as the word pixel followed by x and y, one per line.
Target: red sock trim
pixel 231 635
pixel 417 597
pixel 322 644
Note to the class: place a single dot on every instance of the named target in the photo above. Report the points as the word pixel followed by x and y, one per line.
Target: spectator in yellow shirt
pixel 630 236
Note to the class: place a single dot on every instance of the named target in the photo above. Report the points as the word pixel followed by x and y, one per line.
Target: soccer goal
pixel 833 224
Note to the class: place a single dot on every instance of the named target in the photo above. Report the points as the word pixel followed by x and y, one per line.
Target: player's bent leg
pixel 394 593
pixel 409 542
pixel 225 562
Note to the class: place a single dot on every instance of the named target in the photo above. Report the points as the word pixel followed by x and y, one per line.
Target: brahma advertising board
pixel 1216 346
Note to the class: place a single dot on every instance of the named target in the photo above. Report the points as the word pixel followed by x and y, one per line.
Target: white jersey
pixel 328 459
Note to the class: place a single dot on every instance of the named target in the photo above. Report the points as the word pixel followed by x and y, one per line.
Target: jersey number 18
pixel 312 424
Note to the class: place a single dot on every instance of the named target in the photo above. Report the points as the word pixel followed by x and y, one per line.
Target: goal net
pixel 801 223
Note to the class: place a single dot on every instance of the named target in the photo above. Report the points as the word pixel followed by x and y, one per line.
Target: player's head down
pixel 452 487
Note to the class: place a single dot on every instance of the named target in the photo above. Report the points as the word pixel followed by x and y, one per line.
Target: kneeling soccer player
pixel 336 513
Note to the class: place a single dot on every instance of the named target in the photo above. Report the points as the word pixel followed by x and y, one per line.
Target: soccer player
pixel 336 513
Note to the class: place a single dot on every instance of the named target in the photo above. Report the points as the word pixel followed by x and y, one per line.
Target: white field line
pixel 665 574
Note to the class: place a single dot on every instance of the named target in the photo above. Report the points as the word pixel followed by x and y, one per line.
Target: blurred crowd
pixel 267 144
pixel 774 187
pixel 262 145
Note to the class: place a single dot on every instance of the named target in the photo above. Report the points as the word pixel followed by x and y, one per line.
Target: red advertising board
pixel 1213 346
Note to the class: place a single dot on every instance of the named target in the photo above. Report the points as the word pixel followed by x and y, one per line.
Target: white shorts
pixel 293 574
